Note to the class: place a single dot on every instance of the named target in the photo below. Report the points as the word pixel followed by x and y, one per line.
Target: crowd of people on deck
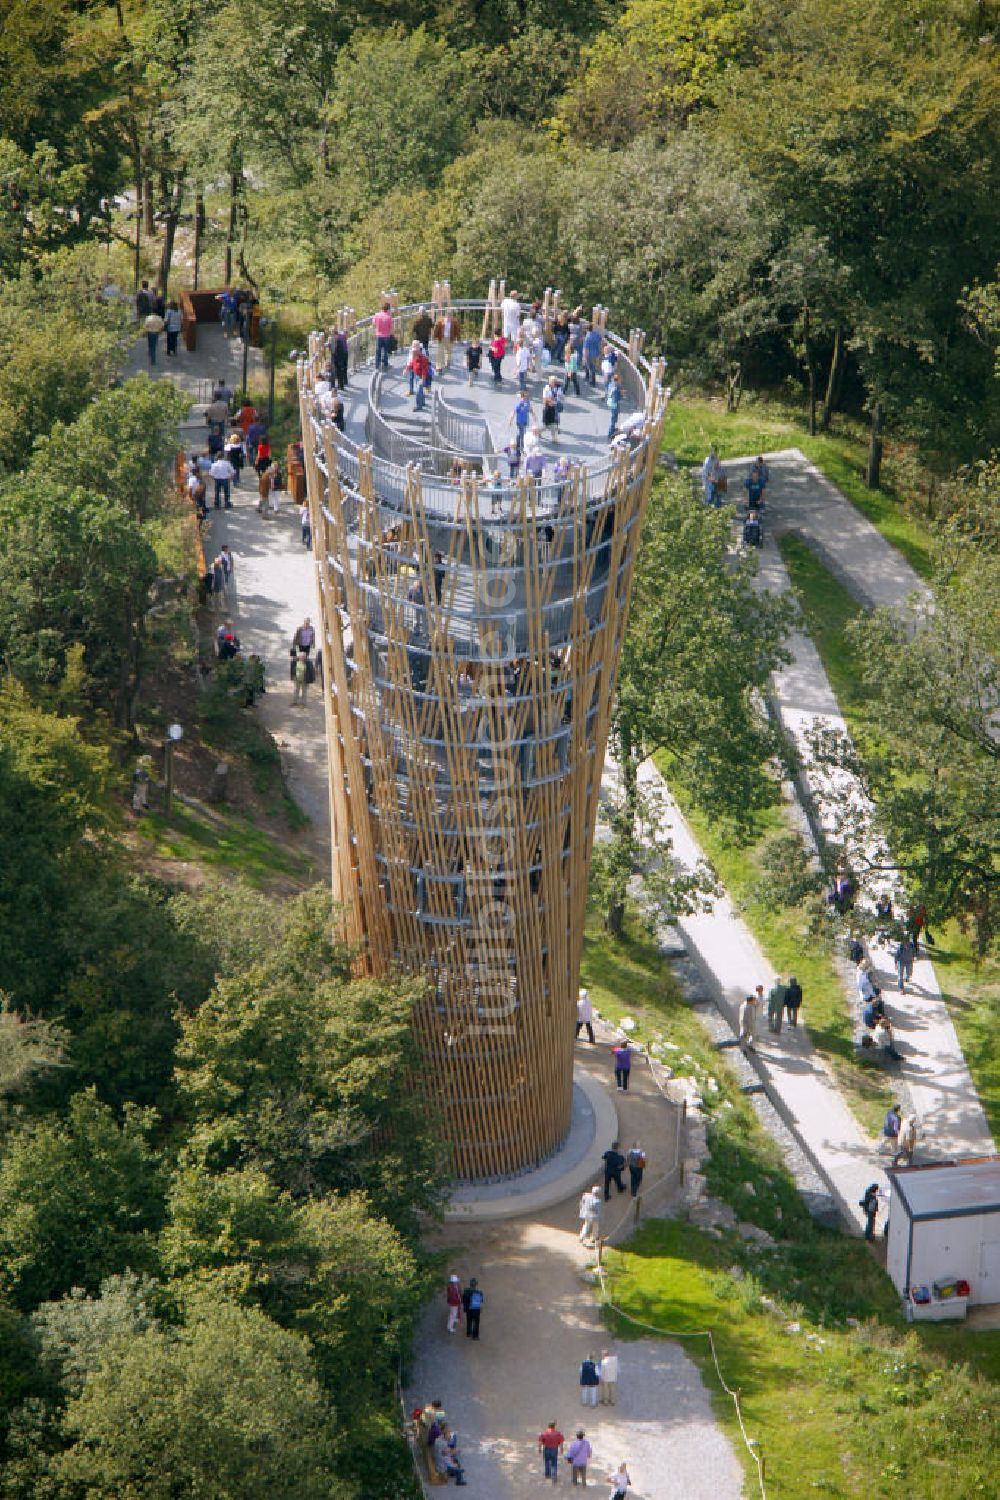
pixel 557 349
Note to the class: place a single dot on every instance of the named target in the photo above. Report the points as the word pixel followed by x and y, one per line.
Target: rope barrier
pixel 751 1443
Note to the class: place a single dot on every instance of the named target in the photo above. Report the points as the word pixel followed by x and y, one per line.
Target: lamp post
pixel 175 733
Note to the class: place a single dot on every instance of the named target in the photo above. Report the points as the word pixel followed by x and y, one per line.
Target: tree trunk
pixel 624 834
pixel 235 179
pixel 137 252
pixel 199 227
pixel 170 234
pixel 810 369
pixel 148 223
pixel 734 386
pixel 874 470
pixel 833 381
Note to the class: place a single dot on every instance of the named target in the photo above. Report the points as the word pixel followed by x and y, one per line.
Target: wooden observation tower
pixel 471 629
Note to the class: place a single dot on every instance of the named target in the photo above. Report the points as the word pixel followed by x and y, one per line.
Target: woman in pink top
pixel 383 326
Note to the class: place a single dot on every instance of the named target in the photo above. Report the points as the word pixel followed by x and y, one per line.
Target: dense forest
pixel 210 1263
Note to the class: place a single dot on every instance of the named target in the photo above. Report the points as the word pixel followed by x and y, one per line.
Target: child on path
pixel 619 1482
pixel 453 1297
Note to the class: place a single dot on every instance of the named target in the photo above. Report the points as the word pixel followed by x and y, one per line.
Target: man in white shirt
pixel 510 312
pixel 608 1372
pixel 585 1015
pixel 590 1216
pixel 223 473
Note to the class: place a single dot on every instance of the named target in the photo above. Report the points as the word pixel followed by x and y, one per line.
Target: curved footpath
pixel 800 499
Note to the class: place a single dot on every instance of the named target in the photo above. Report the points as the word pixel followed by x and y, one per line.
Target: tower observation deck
pixel 472 622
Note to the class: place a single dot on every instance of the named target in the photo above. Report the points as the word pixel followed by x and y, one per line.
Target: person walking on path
pixel 143 302
pixel 550 1443
pixel 622 1054
pixel 613 401
pixel 173 322
pixel 906 1141
pixel 592 344
pixel 585 1015
pixel 229 568
pixel 869 1206
pixel 453 1297
pixel 472 1305
pixel 218 581
pixel 519 419
pixel 864 982
pixel 340 354
pixel 608 1371
pixel 305 523
pixel 382 324
pixel 510 313
pixel 152 327
pixel 578 1455
pixel 903 959
pixel 496 352
pixel 775 1006
pixel 793 999
pixel 590 1216
pixel 636 1167
pixel 474 359
pixel 614 1165
pixel 619 1482
pixel 891 1125
pixel 589 1381
pixel 305 637
pixel 234 452
pixel 748 1021
pixel 223 473
pixel 303 673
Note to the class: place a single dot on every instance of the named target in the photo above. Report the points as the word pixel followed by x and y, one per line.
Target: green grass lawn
pixel 876 1410
pixel 972 989
pixel 693 424
pixel 224 843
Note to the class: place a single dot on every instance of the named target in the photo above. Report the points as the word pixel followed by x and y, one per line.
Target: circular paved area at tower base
pixel 576 1165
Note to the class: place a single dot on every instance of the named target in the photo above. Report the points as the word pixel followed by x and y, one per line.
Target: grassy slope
pixel 858 1404
pixel 694 424
pixel 871 1411
pixel 971 989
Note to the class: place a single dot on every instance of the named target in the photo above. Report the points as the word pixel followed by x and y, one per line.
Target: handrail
pixel 468 436
pixel 467 439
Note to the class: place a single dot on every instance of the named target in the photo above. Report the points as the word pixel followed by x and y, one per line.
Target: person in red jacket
pixel 497 350
pixel 453 1296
